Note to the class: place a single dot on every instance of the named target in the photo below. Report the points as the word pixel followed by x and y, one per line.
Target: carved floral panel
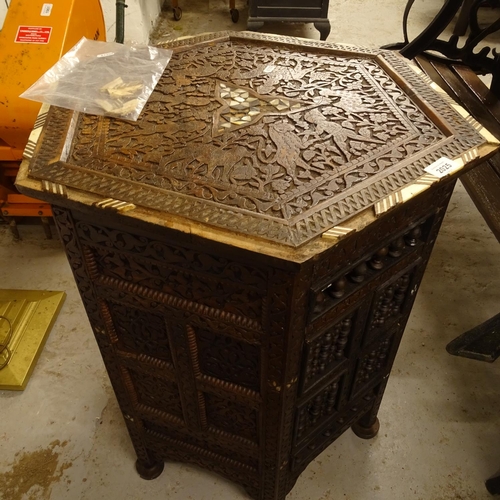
pixel 231 417
pixel 140 331
pixel 156 393
pixel 228 359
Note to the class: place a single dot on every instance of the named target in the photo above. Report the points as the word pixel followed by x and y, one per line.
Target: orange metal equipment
pixel 35 34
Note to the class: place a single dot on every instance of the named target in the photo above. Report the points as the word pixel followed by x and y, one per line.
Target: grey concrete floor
pixel 64 437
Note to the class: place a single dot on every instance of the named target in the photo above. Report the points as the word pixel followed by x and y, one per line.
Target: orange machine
pixel 35 34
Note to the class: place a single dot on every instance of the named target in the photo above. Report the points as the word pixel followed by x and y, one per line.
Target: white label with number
pixel 46 9
pixel 441 167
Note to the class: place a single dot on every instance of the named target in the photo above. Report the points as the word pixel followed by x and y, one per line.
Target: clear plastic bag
pixel 102 78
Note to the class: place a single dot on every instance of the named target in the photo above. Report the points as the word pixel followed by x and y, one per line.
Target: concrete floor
pixel 63 438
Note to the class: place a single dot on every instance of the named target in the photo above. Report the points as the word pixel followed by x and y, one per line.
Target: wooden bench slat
pixel 483 186
pixel 495 164
pixel 451 82
pixel 469 100
pixel 481 91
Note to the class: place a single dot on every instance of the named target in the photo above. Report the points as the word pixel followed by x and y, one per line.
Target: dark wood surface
pixel 243 364
pixel 316 11
pixel 236 336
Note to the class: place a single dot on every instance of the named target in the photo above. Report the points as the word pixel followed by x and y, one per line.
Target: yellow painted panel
pixel 55 30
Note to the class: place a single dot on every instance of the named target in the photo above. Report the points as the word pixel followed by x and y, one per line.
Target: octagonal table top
pixel 272 137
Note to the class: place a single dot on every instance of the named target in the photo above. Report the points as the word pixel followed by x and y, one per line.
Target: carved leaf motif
pixel 269 150
pixel 308 155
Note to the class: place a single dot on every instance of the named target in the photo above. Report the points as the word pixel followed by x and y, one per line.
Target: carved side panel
pixel 228 359
pixel 329 432
pixel 83 272
pixel 139 331
pixel 388 305
pixel 181 273
pixel 232 417
pixel 383 232
pixel 370 267
pixel 155 393
pixel 248 456
pixel 180 333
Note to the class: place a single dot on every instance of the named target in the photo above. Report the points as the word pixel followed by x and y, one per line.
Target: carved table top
pixel 267 136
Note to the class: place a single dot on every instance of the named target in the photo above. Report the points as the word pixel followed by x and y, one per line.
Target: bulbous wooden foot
pixel 147 471
pixel 366 432
pixel 493 484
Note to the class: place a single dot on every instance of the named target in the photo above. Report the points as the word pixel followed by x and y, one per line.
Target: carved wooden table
pixel 248 252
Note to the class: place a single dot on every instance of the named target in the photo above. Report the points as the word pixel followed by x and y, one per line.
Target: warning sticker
pixel 33 34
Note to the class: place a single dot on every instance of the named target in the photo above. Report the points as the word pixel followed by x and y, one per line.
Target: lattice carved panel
pixel 370 268
pixel 372 364
pixel 156 393
pixel 231 417
pixel 212 281
pixel 140 332
pixel 389 302
pixel 330 431
pixel 235 450
pixel 228 359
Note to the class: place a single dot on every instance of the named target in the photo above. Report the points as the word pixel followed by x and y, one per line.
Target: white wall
pixel 3 11
pixel 140 17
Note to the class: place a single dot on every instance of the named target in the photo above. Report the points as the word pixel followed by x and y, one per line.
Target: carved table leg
pixel 252 492
pixel 324 28
pixel 366 430
pixel 149 471
pixel 493 484
pixel 368 425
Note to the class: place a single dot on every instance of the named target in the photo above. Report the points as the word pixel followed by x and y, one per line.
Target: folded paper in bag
pixel 102 78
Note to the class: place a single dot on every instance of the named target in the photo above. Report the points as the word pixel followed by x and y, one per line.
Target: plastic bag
pixel 102 78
